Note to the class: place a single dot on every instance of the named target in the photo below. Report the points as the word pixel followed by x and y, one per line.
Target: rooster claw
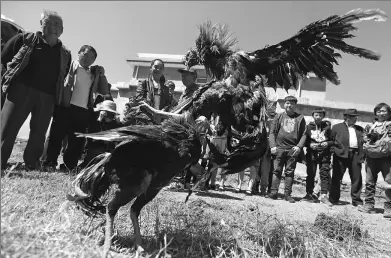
pixel 73 198
pixel 139 250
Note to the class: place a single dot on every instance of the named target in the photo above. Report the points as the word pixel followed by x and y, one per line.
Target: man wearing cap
pixel 189 77
pixel 107 111
pixel 348 154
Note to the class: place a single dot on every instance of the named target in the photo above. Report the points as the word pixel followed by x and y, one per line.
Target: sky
pixel 120 29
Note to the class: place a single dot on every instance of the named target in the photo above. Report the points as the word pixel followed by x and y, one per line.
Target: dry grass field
pixel 38 221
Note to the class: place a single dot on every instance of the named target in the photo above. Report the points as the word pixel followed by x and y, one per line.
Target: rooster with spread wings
pixel 236 94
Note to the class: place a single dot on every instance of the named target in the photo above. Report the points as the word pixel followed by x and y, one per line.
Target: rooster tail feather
pixel 91 183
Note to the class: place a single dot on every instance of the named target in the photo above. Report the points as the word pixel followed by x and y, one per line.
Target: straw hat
pixel 108 106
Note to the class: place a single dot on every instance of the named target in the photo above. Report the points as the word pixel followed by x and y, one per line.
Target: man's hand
pixel 324 144
pixel 314 146
pixel 273 150
pixel 100 70
pixel 296 151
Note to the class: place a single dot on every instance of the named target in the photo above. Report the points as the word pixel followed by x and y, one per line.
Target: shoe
pixel 323 199
pixel 310 198
pixel 307 198
pixel 249 192
pixel 221 188
pixel 289 198
pixel 387 213
pixel 357 204
pixel 211 187
pixel 273 196
pixel 263 194
pixel 237 190
pixel 48 166
pixel 367 208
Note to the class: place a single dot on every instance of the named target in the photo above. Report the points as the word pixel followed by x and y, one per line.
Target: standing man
pixel 189 77
pixel 287 138
pixel 73 114
pixel 348 154
pixel 34 82
pixel 318 153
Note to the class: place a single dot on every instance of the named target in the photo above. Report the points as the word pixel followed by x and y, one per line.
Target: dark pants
pixel 20 102
pixel 313 159
pixel 353 164
pixel 283 160
pixel 373 167
pixel 269 186
pixel 66 122
pixel 189 177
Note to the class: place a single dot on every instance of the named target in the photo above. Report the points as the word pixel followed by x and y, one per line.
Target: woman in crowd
pixel 375 133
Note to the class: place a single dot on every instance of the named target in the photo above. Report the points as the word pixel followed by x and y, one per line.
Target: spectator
pixel 348 154
pixel 73 114
pixel 318 153
pixel 287 138
pixel 189 76
pixel 219 139
pixel 153 91
pixel 107 110
pixel 262 179
pixel 376 162
pixel 173 102
pixel 33 83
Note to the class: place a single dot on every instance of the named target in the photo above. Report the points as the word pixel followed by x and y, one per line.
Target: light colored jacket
pixel 99 85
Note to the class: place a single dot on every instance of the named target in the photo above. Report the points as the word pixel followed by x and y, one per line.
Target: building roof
pixel 146 58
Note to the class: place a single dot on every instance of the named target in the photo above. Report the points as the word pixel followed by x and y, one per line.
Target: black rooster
pixel 145 161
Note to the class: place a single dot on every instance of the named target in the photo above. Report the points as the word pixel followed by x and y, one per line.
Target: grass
pixel 38 221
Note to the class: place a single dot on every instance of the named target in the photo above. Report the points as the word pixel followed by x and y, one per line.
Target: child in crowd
pixel 318 153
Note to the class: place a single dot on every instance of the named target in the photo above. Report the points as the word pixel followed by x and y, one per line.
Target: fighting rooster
pixel 236 94
pixel 145 161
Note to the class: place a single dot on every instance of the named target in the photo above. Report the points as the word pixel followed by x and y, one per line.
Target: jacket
pixel 146 92
pixel 275 128
pixel 324 136
pixel 340 138
pixel 99 86
pixel 22 58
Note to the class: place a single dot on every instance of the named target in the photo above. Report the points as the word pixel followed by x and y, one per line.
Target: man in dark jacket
pixel 287 138
pixel 33 82
pixel 348 154
pixel 318 153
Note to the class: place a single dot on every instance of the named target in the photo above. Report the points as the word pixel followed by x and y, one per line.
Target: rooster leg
pixel 121 198
pixel 138 204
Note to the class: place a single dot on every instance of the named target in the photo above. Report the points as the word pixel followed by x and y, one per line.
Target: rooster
pixel 235 95
pixel 145 160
